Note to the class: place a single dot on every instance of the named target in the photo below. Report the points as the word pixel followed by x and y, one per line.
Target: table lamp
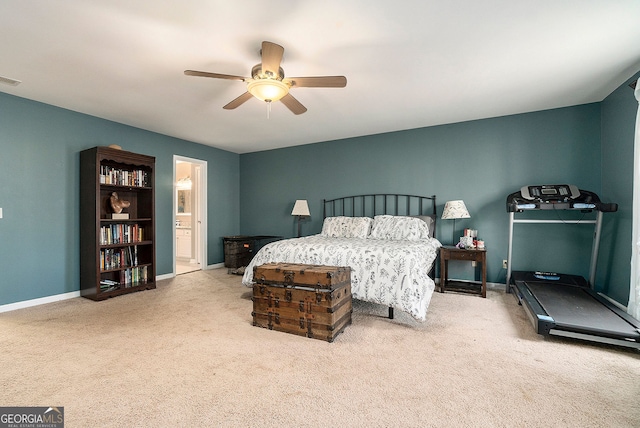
pixel 300 209
pixel 452 211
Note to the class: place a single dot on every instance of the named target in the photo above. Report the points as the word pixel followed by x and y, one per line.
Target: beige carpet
pixel 187 355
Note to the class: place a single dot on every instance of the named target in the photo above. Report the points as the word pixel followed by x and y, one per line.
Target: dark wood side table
pixel 452 253
pixel 240 249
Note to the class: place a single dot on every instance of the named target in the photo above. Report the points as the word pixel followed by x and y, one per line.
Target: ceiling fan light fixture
pixel 268 90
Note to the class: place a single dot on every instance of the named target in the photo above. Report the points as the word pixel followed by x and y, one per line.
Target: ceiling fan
pixel 267 81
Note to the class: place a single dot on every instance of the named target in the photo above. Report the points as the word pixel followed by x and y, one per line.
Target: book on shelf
pixel 120 216
pixel 132 262
pixel 116 258
pixel 120 233
pixel 133 277
pixel 123 177
pixel 108 285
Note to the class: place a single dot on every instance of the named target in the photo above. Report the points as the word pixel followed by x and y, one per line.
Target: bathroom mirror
pixel 184 201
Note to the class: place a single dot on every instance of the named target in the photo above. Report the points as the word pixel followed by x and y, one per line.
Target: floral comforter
pixel 388 272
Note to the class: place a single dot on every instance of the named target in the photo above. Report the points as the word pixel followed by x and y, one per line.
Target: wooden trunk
pixel 307 300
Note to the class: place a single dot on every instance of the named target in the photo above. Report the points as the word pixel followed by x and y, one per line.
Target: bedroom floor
pixel 187 354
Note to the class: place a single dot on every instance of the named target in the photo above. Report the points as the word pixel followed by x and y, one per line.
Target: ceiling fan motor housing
pixel 256 73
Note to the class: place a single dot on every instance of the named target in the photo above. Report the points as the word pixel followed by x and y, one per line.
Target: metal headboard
pixel 380 203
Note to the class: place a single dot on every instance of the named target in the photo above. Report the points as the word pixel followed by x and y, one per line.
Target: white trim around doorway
pixel 199 220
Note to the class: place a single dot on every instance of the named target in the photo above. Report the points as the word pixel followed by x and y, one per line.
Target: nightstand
pixel 240 249
pixel 452 253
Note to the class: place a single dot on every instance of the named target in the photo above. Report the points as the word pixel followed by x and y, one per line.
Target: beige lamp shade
pixel 301 208
pixel 455 209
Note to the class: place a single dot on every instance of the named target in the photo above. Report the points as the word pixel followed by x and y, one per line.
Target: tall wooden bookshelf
pixel 117 255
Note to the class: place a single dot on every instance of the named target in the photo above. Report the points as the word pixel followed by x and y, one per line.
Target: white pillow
pixel 398 228
pixel 346 227
pixel 429 220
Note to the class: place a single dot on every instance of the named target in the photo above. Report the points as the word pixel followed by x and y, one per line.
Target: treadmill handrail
pixel 529 220
pixel 594 249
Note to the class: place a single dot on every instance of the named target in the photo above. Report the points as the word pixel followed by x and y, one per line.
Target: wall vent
pixel 9 81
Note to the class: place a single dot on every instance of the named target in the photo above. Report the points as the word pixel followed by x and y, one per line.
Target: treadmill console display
pixel 550 192
pixel 556 197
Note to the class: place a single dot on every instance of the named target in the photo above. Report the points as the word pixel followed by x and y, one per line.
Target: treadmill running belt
pixel 573 307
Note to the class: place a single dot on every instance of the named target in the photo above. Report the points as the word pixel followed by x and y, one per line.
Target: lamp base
pixel 453 233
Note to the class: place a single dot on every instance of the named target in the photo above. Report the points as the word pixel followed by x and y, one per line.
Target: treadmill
pixel 561 304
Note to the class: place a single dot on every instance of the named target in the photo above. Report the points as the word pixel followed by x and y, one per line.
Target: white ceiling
pixel 409 64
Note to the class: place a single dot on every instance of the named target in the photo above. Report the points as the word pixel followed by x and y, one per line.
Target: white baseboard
pixel 40 301
pixel 71 295
pixel 614 302
pixel 498 286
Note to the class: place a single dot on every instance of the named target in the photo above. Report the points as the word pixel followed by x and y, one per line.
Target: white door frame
pixel 199 225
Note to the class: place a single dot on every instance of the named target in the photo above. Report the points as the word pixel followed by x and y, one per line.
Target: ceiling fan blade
pixel 214 75
pixel 318 82
pixel 238 101
pixel 293 104
pixel 271 58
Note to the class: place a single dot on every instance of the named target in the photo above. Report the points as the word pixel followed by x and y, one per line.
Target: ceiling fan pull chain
pixel 268 109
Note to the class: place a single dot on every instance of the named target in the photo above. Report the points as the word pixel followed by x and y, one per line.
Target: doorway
pixel 189 214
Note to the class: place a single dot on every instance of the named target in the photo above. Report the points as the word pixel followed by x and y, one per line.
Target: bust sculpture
pixel 117 204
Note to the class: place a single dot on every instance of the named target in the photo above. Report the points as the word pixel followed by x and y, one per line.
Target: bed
pixel 388 241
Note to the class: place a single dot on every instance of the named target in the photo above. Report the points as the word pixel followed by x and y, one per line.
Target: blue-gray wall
pixel 480 162
pixel 39 194
pixel 618 125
